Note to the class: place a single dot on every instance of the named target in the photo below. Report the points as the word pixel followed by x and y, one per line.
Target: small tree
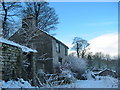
pixel 89 60
pixel 80 45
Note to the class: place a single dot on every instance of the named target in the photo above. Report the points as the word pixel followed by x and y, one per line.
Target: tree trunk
pixel 83 54
pixel 5 33
pixel 78 51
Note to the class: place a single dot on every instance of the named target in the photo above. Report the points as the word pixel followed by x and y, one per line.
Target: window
pixel 58 47
pixel 66 52
pixel 60 60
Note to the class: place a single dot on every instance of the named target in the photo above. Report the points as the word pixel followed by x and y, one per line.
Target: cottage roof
pixel 47 35
pixel 54 38
pixel 24 48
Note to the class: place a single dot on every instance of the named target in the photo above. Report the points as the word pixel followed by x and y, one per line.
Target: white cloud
pixel 107 44
pixel 69 44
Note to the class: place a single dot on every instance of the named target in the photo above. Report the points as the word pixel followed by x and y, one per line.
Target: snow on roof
pixel 107 70
pixel 103 71
pixel 24 48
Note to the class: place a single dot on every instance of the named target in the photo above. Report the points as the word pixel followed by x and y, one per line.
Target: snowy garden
pixel 74 74
pixel 105 82
pixel 32 57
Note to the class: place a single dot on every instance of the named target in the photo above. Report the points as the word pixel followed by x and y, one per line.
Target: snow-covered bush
pixel 68 76
pixel 77 65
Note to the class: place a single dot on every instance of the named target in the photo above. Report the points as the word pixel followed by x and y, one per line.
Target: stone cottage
pixel 11 60
pixel 51 51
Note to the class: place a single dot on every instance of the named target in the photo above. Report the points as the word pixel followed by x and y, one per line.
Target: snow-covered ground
pixel 104 82
pixel 107 82
pixel 16 84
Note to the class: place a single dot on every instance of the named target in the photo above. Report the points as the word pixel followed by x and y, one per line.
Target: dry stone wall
pixel 10 58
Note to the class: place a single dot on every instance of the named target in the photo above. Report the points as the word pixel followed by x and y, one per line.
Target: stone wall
pixel 0 61
pixel 10 58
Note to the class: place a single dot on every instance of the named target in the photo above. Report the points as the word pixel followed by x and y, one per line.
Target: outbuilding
pixel 11 59
pixel 106 72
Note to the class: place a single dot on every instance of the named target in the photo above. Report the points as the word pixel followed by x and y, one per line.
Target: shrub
pixel 68 76
pixel 77 65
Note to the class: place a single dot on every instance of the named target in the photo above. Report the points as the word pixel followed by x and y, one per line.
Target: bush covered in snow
pixel 77 65
pixel 68 76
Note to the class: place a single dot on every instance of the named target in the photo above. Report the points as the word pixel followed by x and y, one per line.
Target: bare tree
pixel 45 17
pixel 37 17
pixel 98 55
pixel 28 31
pixel 9 12
pixel 80 45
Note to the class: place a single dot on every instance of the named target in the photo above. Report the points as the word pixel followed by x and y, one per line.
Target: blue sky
pixel 85 19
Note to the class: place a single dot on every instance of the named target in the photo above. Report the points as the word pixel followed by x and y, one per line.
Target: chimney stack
pixel 28 22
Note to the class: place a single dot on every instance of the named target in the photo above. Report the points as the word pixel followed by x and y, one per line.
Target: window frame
pixel 66 51
pixel 58 47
